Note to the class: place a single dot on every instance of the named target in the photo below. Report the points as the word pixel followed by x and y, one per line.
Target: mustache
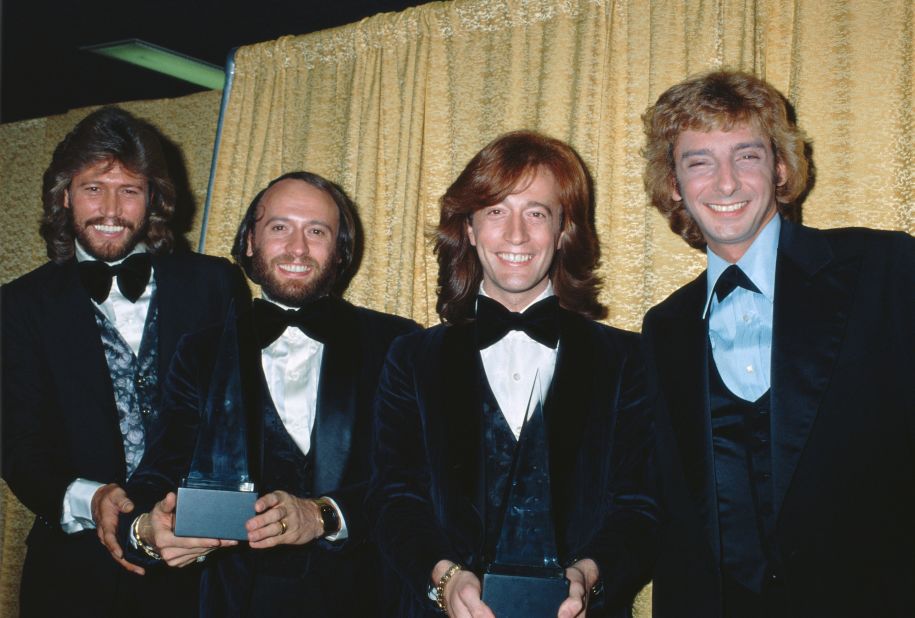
pixel 306 260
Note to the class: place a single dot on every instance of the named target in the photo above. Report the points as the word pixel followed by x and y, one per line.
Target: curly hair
pixel 489 178
pixel 346 234
pixel 114 135
pixel 720 100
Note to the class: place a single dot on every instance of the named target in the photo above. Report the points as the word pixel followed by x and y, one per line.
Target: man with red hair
pixel 518 297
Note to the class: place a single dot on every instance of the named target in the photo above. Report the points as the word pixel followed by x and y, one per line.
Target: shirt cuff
pixel 77 512
pixel 342 534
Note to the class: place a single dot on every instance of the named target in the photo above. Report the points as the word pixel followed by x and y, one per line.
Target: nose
pixel 516 229
pixel 297 245
pixel 727 179
pixel 111 204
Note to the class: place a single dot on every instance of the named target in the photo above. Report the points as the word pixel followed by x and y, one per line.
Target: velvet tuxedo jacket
pixel 428 495
pixel 60 422
pixel 335 579
pixel 842 431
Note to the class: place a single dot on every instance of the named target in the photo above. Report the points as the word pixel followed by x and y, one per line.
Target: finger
pixel 570 608
pixel 267 518
pixel 269 535
pixel 133 568
pixel 268 501
pixel 469 596
pixel 167 504
pixel 109 539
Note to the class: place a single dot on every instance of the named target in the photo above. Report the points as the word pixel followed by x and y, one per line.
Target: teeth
pixel 727 207
pixel 294 268
pixel 516 257
pixel 109 229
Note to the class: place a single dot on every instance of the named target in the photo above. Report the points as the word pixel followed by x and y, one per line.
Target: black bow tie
pixel 539 322
pixel 133 276
pixel 314 319
pixel 732 278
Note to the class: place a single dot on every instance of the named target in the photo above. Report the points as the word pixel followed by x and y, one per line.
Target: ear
pixel 66 198
pixel 249 251
pixel 470 234
pixel 675 194
pixel 781 174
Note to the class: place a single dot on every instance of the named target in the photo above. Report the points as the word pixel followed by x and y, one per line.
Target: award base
pixel 214 513
pixel 518 594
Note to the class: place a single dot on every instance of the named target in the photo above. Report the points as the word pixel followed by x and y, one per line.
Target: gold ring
pixel 283 524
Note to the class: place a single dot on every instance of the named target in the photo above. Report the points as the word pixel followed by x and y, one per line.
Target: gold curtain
pixel 392 108
pixel 189 126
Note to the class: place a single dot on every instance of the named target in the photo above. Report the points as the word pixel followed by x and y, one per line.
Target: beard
pixel 109 251
pixel 294 293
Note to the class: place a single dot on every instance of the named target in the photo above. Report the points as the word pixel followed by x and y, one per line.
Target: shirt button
pixel 746 318
pixel 516 377
pixel 293 375
pixel 749 368
pixel 145 411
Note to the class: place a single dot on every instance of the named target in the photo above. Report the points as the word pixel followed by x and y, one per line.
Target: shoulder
pixel 608 337
pixel 35 279
pixel 854 240
pixel 420 342
pixel 689 297
pixel 391 324
pixel 195 264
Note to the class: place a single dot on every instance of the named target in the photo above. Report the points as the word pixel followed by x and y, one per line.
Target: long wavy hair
pixel 114 135
pixel 720 101
pixel 346 233
pixel 491 176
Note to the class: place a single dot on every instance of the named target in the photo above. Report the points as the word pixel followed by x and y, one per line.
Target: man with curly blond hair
pixel 781 376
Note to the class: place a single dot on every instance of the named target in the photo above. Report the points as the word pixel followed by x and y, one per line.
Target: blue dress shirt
pixel 740 326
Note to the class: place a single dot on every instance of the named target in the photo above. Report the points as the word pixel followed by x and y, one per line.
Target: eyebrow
pixel 276 219
pixel 705 151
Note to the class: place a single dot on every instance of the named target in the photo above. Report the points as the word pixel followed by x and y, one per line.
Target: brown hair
pixel 720 100
pixel 108 134
pixel 346 233
pixel 489 178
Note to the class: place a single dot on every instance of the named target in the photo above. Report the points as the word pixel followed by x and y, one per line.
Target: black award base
pixel 214 513
pixel 519 593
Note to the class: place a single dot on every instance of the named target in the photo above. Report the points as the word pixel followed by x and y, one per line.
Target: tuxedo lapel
pixel 680 339
pixel 255 394
pixel 568 405
pixel 336 406
pixel 813 296
pixel 167 293
pixel 461 405
pixel 78 352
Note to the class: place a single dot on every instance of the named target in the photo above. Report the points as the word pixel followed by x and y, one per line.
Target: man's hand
pixel 158 529
pixel 284 520
pixel 582 576
pixel 108 502
pixel 463 593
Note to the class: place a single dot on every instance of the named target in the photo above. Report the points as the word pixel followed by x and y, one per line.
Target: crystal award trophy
pixel 525 579
pixel 217 497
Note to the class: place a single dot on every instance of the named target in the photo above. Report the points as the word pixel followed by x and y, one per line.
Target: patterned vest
pixel 135 382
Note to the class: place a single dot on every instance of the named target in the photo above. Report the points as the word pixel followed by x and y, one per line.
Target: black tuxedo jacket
pixel 338 579
pixel 427 493
pixel 60 420
pixel 842 431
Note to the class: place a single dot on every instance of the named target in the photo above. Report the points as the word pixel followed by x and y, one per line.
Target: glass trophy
pixel 217 496
pixel 525 579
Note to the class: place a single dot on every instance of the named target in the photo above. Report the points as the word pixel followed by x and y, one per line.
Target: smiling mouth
pixel 294 268
pixel 515 258
pixel 727 207
pixel 108 229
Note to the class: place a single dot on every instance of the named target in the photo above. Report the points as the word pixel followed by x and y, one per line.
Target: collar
pixel 758 263
pixel 546 293
pixel 83 256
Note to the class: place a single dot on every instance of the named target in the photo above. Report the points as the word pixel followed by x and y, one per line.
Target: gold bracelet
pixel 440 586
pixel 148 549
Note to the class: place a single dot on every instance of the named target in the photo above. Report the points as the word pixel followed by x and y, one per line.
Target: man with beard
pixel 309 366
pixel 86 338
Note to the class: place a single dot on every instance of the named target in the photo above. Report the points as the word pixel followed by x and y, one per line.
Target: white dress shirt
pixel 511 364
pixel 292 368
pixel 129 319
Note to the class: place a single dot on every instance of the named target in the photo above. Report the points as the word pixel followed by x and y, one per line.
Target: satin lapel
pixel 813 297
pixel 680 339
pixel 167 291
pixel 255 394
pixel 461 408
pixel 71 326
pixel 336 408
pixel 568 404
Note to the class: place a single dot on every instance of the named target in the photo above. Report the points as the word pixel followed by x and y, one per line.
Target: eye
pixel 494 211
pixel 277 227
pixel 695 163
pixel 317 231
pixel 749 156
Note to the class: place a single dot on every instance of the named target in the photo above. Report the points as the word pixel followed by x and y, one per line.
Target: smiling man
pixel 86 340
pixel 518 297
pixel 782 376
pixel 309 366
